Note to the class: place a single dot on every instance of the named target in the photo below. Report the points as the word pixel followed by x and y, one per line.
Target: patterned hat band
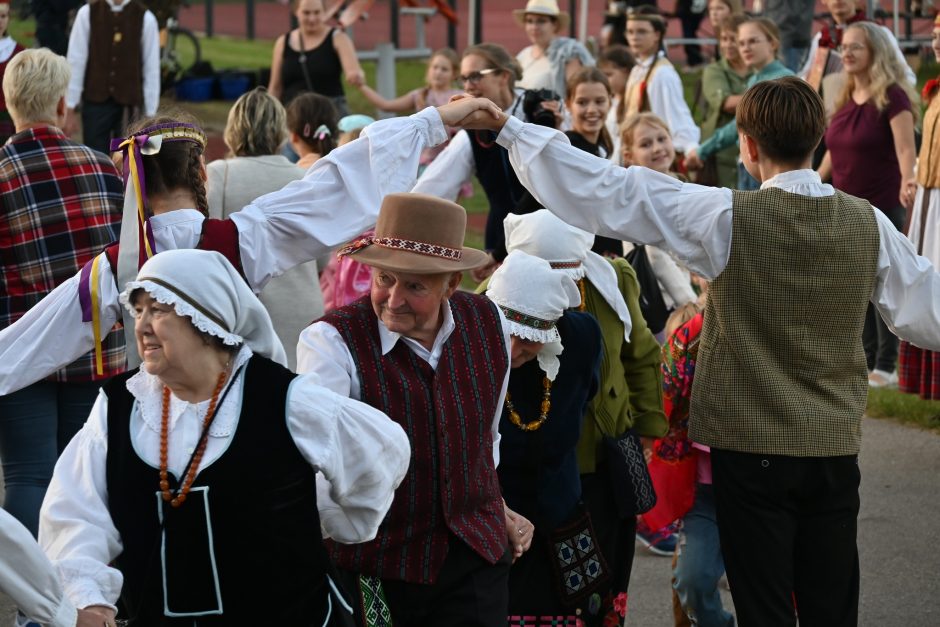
pixel 526 320
pixel 397 243
pixel 564 265
pixel 168 131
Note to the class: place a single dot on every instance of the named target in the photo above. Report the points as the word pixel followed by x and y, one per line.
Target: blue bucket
pixel 194 89
pixel 233 86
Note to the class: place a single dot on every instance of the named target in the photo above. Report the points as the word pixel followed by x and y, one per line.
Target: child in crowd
pixel 616 62
pixel 344 279
pixel 443 68
pixel 781 380
pixel 682 474
pixel 646 141
pixel 311 121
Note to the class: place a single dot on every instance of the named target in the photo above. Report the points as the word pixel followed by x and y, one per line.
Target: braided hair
pixel 178 165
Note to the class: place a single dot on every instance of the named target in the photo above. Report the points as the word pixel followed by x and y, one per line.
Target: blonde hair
pixel 884 71
pixel 34 82
pixel 257 125
pixel 629 126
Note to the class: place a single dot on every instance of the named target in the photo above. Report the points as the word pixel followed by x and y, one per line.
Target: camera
pixel 532 101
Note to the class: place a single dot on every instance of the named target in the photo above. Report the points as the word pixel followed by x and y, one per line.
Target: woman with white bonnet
pixel 630 379
pixel 197 473
pixel 555 359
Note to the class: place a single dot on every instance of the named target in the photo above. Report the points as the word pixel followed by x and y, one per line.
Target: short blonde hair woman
pixel 256 128
pixel 33 84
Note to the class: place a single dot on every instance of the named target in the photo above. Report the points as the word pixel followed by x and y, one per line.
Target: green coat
pixel 631 384
pixel 718 82
pixel 727 135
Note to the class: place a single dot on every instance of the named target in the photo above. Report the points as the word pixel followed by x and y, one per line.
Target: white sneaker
pixel 881 379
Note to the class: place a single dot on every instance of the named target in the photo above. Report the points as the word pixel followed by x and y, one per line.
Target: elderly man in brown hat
pixel 436 360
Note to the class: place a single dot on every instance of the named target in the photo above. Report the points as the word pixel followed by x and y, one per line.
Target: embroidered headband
pixel 396 243
pixel 525 319
pixel 632 14
pixel 564 265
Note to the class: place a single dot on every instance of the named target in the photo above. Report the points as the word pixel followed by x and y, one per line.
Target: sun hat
pixel 204 287
pixel 533 297
pixel 548 8
pixel 419 234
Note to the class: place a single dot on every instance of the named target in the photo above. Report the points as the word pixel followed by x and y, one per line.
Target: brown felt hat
pixel 419 234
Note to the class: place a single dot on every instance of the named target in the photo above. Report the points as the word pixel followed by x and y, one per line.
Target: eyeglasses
pixel 476 77
pixel 753 41
pixel 853 48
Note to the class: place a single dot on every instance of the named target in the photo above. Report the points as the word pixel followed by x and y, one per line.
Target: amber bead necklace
pixel 180 497
pixel 544 406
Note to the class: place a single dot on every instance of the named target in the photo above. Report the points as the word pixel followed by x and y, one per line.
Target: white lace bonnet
pixel 203 286
pixel 533 297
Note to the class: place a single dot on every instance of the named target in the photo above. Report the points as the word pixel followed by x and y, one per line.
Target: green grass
pixel 904 408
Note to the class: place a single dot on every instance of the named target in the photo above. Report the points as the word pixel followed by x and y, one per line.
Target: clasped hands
pixel 464 111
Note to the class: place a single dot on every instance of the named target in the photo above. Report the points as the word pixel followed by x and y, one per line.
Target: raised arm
pixel 405 102
pixel 51 335
pixel 633 204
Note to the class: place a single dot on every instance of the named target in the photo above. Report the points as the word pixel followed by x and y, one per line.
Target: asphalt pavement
pixel 898 538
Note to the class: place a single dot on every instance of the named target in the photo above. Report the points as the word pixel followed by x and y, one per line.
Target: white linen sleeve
pixel 77 56
pixel 446 174
pixel 907 289
pixel 636 204
pixel 75 526
pixel 150 55
pixel 322 350
pixel 360 453
pixel 808 64
pixel 666 95
pixel 51 335
pixel 338 197
pixel 674 280
pixel 28 577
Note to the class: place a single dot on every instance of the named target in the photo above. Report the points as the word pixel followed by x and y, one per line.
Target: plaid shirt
pixel 61 205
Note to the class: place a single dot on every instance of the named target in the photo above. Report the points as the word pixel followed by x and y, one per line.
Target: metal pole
pixel 209 28
pixel 583 22
pixel 475 34
pixel 394 12
pixel 385 73
pixel 250 18
pixel 452 28
pixel 574 17
pixel 897 21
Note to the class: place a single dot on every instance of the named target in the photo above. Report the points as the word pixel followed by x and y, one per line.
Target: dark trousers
pixel 36 424
pixel 690 23
pixel 881 345
pixel 469 592
pixel 101 121
pixel 787 527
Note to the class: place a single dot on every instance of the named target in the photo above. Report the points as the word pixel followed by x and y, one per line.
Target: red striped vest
pixel 451 485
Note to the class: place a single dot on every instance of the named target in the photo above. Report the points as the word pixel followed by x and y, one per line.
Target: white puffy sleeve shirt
pixel 693 222
pixel 338 198
pixel 360 454
pixel 29 579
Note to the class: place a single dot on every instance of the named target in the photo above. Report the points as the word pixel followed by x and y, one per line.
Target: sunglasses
pixel 476 77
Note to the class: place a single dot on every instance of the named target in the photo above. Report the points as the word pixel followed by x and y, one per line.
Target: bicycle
pixel 179 48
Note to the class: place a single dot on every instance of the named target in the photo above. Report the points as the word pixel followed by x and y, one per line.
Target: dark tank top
pixel 323 68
